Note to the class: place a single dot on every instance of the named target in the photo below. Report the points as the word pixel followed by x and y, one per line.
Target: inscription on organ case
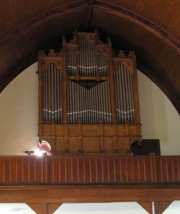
pixel 88 98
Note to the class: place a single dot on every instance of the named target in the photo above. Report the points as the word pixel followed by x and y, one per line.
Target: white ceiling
pixel 101 208
pixel 88 208
pixel 15 208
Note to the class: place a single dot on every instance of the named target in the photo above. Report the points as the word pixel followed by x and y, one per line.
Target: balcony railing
pixel 30 170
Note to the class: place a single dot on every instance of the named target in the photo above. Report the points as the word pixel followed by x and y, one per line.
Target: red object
pixel 44 146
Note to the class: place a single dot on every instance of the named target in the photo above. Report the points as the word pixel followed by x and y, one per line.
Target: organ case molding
pixel 88 97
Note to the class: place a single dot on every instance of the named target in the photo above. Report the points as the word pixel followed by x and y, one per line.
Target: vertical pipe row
pixel 55 95
pixel 45 96
pixel 52 91
pixel 72 65
pixel 87 62
pixel 89 106
pixel 131 97
pixel 109 103
pixel 48 95
pixel 124 95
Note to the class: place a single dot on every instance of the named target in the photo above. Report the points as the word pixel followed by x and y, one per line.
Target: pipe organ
pixel 88 97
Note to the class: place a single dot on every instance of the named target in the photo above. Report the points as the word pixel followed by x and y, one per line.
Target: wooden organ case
pixel 88 98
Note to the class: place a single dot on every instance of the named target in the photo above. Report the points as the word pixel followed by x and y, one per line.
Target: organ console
pixel 88 98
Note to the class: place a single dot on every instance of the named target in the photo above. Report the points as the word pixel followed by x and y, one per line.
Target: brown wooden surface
pixel 74 194
pixel 145 27
pixel 89 170
pixel 72 138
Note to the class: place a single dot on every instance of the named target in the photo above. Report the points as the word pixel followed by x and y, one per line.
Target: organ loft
pixel 88 98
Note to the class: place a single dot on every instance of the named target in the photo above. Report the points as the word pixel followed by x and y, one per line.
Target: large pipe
pixel 70 102
pixel 116 93
pixel 123 95
pixel 106 103
pixel 44 97
pixel 125 92
pixel 58 96
pixel 49 112
pixel 84 58
pixel 87 56
pixel 109 102
pixel 119 96
pixel 61 97
pixel 55 95
pixel 132 97
pixel 103 102
pixel 129 96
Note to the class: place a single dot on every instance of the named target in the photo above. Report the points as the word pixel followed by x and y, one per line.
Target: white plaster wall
pixel 19 115
pixel 159 118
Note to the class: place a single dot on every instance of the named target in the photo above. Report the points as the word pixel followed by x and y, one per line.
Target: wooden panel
pixel 122 130
pixel 108 130
pixel 168 168
pixel 74 130
pixel 74 144
pixel 59 131
pixel 91 144
pixel 90 130
pixel 46 130
pixel 2 168
pixel 61 144
pixel 108 144
pixel 20 169
pixel 90 138
pixel 90 169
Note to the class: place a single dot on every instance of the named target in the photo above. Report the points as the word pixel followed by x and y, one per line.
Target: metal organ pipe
pixel 124 94
pixel 87 62
pixel 52 107
pixel 88 105
pixel 88 89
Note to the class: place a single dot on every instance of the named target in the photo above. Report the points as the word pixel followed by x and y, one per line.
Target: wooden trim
pixel 115 10
pixel 82 193
pixel 89 170
pixel 147 205
pixel 141 21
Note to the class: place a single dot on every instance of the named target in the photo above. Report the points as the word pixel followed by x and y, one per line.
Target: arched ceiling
pixel 150 28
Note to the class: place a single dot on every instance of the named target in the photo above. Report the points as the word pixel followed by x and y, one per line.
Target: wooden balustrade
pixel 23 170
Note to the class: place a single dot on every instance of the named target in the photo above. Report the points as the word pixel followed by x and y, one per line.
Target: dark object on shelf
pixel 146 146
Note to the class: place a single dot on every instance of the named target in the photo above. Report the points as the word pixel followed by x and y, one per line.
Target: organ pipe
pixel 88 98
pixel 98 85
pixel 124 95
pixel 52 103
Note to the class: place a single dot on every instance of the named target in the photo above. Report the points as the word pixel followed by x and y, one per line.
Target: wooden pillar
pixel 147 205
pixel 44 208
pixel 38 208
pixel 161 206
pixel 52 207
pixel 155 207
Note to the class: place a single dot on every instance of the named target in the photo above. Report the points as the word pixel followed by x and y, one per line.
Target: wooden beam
pixel 37 207
pixel 147 205
pixel 52 207
pixel 141 21
pixel 94 193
